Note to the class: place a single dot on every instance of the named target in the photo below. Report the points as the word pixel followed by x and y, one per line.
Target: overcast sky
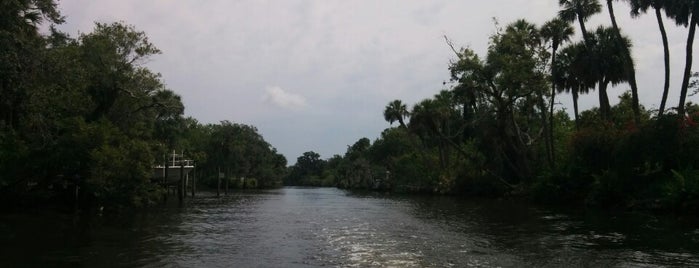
pixel 316 75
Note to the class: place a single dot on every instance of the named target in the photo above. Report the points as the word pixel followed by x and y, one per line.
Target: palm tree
pixel 425 123
pixel 579 10
pixel 557 31
pixel 574 73
pixel 628 62
pixel 564 77
pixel 608 56
pixel 396 111
pixel 686 13
pixel 526 33
pixel 642 6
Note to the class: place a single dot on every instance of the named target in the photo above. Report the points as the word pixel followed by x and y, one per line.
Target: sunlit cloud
pixel 279 97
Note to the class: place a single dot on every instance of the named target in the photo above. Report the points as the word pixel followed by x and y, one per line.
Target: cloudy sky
pixel 316 75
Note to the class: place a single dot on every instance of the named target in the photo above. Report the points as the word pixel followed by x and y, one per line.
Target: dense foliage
pixel 496 131
pixel 86 112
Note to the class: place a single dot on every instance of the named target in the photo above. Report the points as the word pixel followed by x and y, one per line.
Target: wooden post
pixel 218 186
pixel 167 188
pixel 165 173
pixel 180 184
pixel 227 179
pixel 194 180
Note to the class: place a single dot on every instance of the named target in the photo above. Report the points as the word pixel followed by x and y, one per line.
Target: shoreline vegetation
pixel 83 121
pixel 494 131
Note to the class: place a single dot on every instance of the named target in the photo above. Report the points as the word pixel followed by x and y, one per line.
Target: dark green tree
pixel 580 10
pixel 396 111
pixel 557 31
pixel 307 171
pixel 629 68
pixel 686 13
pixel 641 6
pixel 21 48
pixel 575 73
pixel 513 83
pixel 609 59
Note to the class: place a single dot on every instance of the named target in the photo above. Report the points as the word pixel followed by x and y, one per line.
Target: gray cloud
pixel 341 60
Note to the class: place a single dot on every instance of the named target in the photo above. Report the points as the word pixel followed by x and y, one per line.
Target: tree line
pixel 86 113
pixel 496 129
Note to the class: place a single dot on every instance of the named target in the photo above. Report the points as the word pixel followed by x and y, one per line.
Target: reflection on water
pixel 302 227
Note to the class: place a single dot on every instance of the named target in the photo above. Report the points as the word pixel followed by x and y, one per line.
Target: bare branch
pixel 451 45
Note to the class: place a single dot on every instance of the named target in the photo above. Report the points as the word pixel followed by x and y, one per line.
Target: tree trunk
pixel 553 99
pixel 630 70
pixel 586 36
pixel 180 185
pixel 605 109
pixel 545 126
pixel 194 181
pixel 666 47
pixel 225 189
pixel 688 65
pixel 401 122
pixel 575 108
pixel 218 185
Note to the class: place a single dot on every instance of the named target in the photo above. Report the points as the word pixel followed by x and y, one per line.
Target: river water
pixel 311 227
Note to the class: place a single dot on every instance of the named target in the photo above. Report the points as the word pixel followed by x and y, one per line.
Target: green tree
pixel 575 73
pixel 686 13
pixel 396 111
pixel 21 48
pixel 609 59
pixel 629 69
pixel 433 121
pixel 239 151
pixel 642 6
pixel 112 53
pixel 557 31
pixel 307 171
pixel 513 83
pixel 580 10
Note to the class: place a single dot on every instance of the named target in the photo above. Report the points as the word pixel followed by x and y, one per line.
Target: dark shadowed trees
pixel 580 11
pixel 642 6
pixel 686 13
pixel 557 31
pixel 629 68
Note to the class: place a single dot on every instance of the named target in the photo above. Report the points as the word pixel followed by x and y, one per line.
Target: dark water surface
pixel 299 227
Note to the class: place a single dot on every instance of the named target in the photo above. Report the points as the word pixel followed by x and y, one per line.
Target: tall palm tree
pixel 564 78
pixel 642 6
pixel 628 62
pixel 608 56
pixel 575 73
pixel 580 10
pixel 557 31
pixel 685 12
pixel 396 111
pixel 524 32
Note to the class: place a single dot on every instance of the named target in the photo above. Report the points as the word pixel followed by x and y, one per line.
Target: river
pixel 311 227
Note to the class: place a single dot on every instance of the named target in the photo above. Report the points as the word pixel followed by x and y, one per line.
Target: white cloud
pixel 281 98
